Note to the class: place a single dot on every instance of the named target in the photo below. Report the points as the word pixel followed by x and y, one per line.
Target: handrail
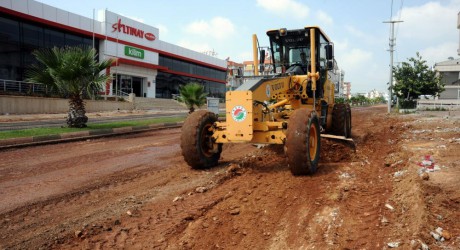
pixel 22 87
pixel 121 93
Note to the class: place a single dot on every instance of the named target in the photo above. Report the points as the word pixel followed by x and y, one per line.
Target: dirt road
pixel 136 192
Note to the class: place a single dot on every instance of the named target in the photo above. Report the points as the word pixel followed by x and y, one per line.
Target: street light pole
pixel 392 44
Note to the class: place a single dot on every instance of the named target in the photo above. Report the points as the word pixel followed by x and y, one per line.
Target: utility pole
pixel 392 44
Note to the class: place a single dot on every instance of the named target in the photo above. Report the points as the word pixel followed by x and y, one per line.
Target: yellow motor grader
pixel 294 105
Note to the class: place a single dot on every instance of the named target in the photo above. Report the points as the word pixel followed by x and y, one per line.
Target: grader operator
pixel 293 106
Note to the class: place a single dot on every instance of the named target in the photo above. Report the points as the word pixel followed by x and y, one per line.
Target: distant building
pixel 347 90
pixel 374 94
pixel 234 75
pixel 450 72
pixel 458 27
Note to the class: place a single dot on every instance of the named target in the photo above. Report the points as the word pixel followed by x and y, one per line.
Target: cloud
pixel 218 27
pixel 324 18
pixel 358 64
pixel 439 53
pixel 429 22
pixel 196 46
pixel 138 19
pixel 285 8
pixel 430 29
pixel 163 30
pixel 354 59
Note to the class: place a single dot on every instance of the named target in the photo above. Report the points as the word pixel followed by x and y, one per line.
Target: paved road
pixel 60 122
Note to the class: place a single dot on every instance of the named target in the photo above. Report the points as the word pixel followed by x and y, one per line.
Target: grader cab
pixel 293 106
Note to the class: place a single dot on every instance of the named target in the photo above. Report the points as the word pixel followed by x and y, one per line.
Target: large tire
pixel 303 142
pixel 348 108
pixel 196 142
pixel 341 125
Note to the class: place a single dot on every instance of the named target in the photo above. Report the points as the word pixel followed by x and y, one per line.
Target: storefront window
pixel 18 39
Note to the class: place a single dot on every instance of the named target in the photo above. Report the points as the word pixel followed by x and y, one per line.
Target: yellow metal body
pixel 254 54
pixel 261 114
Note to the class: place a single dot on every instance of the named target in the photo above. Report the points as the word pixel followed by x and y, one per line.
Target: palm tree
pixel 74 73
pixel 192 95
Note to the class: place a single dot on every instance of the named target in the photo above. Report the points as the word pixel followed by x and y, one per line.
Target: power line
pixel 397 26
pixel 399 18
pixel 392 44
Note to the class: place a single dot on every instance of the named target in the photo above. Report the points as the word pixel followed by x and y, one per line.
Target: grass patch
pixel 53 131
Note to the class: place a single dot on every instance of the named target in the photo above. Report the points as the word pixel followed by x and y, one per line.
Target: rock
pixel 235 211
pixel 436 236
pixel 425 176
pixel 234 169
pixel 438 230
pixel 129 213
pixel 389 207
pixel 396 163
pixel 446 235
pixel 117 222
pixel 393 244
pixel 399 173
pixel 425 246
pixel 178 198
pixel 384 220
pixel 78 234
pixel 201 189
pixel 344 176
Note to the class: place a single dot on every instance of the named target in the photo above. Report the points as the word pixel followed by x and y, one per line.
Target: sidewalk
pixel 73 136
pixel 63 116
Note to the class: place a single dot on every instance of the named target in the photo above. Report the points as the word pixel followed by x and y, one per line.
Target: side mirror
pixel 262 56
pixel 329 52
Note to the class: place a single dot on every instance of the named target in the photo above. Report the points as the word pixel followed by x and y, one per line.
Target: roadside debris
pixel 428 165
pixel 440 234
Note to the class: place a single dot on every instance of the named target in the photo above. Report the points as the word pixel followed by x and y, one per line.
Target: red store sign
pixel 132 31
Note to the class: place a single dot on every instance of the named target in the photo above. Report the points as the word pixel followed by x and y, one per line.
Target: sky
pixel 361 39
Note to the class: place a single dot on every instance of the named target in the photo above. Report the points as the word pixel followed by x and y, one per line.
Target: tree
pixel 192 95
pixel 415 78
pixel 74 73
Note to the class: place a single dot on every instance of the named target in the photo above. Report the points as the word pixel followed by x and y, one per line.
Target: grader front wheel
pixel 303 142
pixel 198 149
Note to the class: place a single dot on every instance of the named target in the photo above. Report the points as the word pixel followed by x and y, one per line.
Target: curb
pixel 83 135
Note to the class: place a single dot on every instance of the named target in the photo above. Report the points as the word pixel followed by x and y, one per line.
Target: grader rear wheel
pixel 341 123
pixel 303 142
pixel 196 142
pixel 348 108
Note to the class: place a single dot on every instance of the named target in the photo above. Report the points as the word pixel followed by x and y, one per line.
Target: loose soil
pixel 136 192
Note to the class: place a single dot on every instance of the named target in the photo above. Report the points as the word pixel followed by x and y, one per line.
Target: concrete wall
pixel 40 105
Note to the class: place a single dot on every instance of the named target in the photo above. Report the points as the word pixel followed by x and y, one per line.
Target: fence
pixel 10 86
pixel 440 104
